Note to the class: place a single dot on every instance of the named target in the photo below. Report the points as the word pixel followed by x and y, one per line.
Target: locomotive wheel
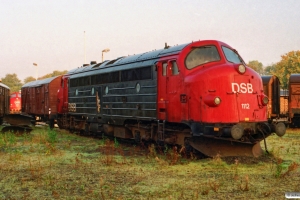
pixel 213 147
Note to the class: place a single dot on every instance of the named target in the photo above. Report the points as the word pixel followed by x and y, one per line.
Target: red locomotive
pixel 15 102
pixel 199 94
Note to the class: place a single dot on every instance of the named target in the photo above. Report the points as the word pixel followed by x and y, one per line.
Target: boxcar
pixel 4 101
pixel 294 100
pixel 272 90
pixel 39 99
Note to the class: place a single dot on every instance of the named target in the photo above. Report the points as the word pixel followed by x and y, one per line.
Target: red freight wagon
pixel 272 90
pixel 39 99
pixel 294 100
pixel 4 101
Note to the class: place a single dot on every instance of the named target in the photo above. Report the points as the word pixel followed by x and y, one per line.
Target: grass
pixel 54 164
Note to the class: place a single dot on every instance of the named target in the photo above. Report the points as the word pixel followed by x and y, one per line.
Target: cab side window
pixel 174 68
pixel 164 68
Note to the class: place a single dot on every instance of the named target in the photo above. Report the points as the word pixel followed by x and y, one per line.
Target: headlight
pixel 212 100
pixel 242 69
pixel 217 100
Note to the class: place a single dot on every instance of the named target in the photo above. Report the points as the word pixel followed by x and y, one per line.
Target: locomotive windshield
pixel 201 55
pixel 232 56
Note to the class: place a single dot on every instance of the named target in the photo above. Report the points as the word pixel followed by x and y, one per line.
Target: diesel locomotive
pixel 200 95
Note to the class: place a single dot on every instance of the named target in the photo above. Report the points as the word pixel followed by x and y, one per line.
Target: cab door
pixel 162 100
pixel 173 89
pixel 168 98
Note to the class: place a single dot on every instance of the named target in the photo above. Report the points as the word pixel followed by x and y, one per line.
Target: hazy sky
pixel 51 33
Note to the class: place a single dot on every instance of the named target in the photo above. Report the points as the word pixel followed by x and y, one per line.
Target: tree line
pixel 15 84
pixel 289 64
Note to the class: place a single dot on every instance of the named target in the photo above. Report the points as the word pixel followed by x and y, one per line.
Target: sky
pixel 65 34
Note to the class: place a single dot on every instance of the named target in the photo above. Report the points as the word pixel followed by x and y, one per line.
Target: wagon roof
pixel 295 78
pixel 266 78
pixel 3 85
pixel 39 82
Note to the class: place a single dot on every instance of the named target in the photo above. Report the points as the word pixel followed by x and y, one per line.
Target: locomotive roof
pixel 39 82
pixel 128 62
pixel 3 85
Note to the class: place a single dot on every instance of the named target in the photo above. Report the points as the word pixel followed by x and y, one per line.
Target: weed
pixel 246 186
pixel 103 140
pixel 52 136
pixel 152 150
pixel 217 160
pixel 116 143
pixel 7 140
pixel 173 156
pixel 213 184
pixel 278 170
pixel 166 149
pixel 236 164
pixel 292 167
pixel 108 152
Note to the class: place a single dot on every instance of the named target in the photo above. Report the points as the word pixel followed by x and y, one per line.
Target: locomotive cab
pixel 217 95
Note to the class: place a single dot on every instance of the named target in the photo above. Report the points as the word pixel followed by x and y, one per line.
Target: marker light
pixel 242 69
pixel 217 100
pixel 264 100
